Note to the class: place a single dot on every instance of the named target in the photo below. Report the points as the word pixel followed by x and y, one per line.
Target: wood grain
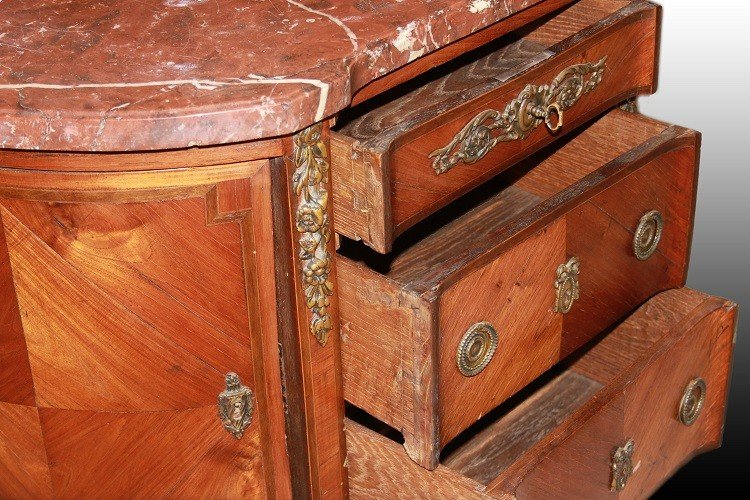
pixel 113 329
pixel 396 138
pixel 378 468
pixel 87 451
pixel 601 233
pixel 140 160
pixel 24 469
pixel 16 383
pixel 120 187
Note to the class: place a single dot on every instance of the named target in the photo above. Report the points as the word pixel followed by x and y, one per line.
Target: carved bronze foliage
pixel 311 219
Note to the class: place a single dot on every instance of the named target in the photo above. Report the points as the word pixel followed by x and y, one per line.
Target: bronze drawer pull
pixel 476 348
pixel 567 289
pixel 692 401
pixel 534 105
pixel 622 465
pixel 648 234
pixel 236 406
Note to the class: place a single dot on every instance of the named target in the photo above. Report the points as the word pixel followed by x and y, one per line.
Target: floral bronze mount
pixel 312 223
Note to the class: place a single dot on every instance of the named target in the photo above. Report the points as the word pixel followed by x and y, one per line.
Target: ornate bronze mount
pixel 236 406
pixel 534 105
pixel 476 348
pixel 566 285
pixel 692 401
pixel 622 465
pixel 648 234
pixel 631 105
pixel 309 183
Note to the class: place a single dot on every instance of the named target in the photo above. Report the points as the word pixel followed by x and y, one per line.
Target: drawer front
pixel 445 146
pixel 632 240
pixel 676 408
pixel 629 447
pixel 514 295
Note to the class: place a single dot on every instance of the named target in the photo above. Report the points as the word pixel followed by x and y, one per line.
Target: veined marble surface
pixel 124 75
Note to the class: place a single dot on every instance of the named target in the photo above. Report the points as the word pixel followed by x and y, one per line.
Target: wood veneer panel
pixel 138 365
pixel 16 384
pixel 150 454
pixel 151 255
pixel 138 291
pixel 24 472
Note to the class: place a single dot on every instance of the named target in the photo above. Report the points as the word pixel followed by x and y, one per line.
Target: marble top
pixel 125 75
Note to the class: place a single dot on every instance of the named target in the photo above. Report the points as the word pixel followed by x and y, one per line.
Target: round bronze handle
pixel 236 406
pixel 556 110
pixel 692 401
pixel 476 348
pixel 648 234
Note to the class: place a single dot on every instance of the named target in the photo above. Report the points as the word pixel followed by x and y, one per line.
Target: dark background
pixel 705 85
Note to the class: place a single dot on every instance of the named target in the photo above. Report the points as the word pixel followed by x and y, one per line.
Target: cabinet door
pixel 127 298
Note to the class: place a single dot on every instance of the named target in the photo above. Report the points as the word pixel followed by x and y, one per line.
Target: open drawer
pixel 617 421
pixel 450 325
pixel 395 163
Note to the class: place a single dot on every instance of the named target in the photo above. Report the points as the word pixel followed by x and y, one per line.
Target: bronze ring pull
pixel 547 113
pixel 476 349
pixel 692 401
pixel 648 234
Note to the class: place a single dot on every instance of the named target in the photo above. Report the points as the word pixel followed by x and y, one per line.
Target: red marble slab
pixel 124 75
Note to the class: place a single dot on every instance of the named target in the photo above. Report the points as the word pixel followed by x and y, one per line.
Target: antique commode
pixel 222 219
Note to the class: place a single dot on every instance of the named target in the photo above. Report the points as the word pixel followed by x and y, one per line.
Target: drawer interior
pixel 490 447
pixel 503 207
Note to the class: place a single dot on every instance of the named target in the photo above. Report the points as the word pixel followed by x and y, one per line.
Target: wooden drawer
pixel 618 411
pixel 493 280
pixel 395 163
